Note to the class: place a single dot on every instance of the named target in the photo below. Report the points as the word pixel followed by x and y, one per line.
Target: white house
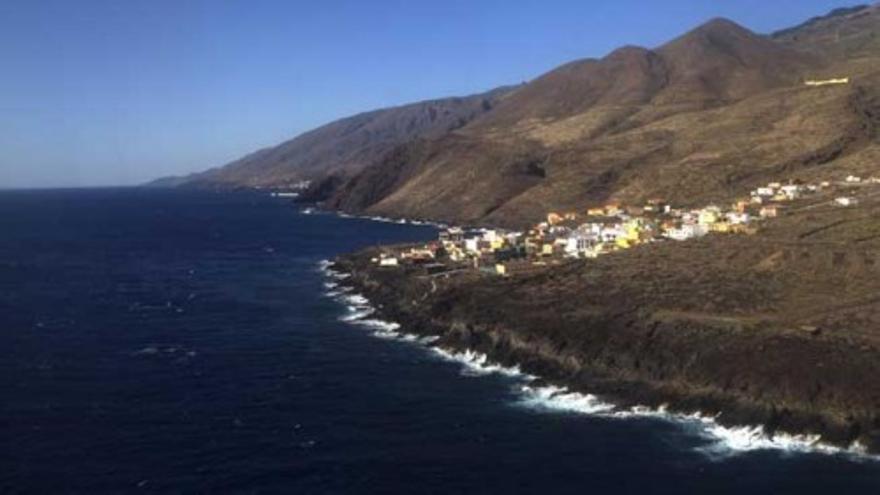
pixel 791 191
pixel 735 218
pixel 578 245
pixel 490 235
pixel 687 231
pixel 388 261
pixel 846 201
pixel 472 245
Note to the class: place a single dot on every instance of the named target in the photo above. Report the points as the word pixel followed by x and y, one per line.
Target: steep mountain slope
pixel 716 63
pixel 705 117
pixel 455 178
pixel 721 61
pixel 346 146
pixel 844 33
pixel 628 76
pixel 702 118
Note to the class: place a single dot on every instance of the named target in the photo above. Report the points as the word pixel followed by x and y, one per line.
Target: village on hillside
pixel 607 229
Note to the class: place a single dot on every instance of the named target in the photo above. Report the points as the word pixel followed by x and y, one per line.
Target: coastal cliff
pixel 748 338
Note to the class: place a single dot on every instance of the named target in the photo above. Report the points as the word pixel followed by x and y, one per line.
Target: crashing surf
pixel 723 441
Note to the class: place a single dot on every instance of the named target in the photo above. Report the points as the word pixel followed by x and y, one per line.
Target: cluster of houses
pixel 605 229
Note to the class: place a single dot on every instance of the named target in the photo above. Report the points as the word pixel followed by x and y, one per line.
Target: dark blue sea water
pixel 161 341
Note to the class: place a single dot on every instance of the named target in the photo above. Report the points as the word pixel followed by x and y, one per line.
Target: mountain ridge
pixel 702 117
pixel 342 147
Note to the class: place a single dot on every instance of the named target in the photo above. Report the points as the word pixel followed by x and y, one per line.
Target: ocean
pixel 164 341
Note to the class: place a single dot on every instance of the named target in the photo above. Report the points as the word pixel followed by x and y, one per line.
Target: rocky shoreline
pixel 796 384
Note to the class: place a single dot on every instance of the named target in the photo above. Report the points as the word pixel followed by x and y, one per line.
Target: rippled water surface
pixel 163 341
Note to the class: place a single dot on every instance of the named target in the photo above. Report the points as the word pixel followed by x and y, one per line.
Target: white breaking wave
pixel 725 440
pixel 379 219
pixel 400 221
pixel 381 329
pixel 357 307
pixel 477 364
pixel 356 300
pixel 326 268
pixel 355 314
pixel 379 324
pixel 339 291
pixel 390 330
pixel 560 399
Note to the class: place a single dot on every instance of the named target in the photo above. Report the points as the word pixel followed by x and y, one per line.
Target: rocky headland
pixel 778 329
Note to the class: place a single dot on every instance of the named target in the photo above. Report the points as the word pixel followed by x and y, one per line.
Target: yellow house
pixel 497 243
pixel 596 212
pixel 547 249
pixel 612 209
pixel 623 243
pixel 632 229
pixel 722 227
pixel 553 218
pixel 707 217
pixel 500 269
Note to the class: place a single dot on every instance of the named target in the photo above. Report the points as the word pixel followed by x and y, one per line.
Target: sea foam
pixel 478 364
pixel 399 221
pixel 724 441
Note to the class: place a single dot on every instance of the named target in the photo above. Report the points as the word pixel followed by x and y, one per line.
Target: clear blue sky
pixel 119 92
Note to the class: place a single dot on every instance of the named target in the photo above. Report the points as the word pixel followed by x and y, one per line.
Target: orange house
pixel 554 218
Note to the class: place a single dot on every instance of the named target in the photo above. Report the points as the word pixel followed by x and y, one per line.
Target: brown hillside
pixel 628 76
pixel 842 34
pixel 346 146
pixel 703 118
pixel 721 61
